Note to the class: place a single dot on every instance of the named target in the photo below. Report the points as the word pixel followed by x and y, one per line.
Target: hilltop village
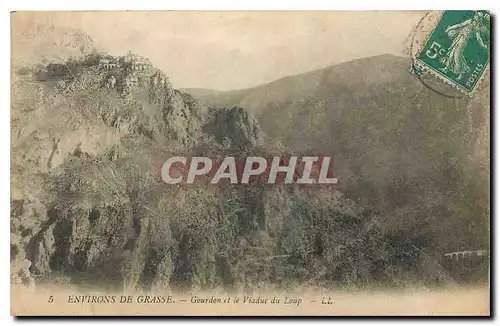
pixel 122 73
pixel 129 71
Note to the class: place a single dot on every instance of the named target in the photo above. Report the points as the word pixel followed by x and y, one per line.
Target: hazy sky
pixel 231 50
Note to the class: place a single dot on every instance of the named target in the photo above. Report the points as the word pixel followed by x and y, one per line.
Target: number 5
pixel 51 299
pixel 433 50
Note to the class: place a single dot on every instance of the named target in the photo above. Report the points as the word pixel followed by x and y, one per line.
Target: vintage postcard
pixel 250 163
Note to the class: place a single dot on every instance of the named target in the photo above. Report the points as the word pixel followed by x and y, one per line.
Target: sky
pixel 234 50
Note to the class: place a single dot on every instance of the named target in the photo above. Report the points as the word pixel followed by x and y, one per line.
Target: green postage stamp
pixel 457 49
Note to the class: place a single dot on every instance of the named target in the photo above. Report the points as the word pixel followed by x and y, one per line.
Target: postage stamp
pixel 457 49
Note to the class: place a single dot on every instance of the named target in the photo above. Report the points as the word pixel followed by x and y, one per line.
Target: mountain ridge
pixel 313 78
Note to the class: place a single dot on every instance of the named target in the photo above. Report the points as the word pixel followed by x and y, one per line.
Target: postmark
pixel 457 49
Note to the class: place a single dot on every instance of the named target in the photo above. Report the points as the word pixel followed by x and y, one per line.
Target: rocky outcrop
pixel 183 117
pixel 19 264
pixel 26 222
pixel 235 128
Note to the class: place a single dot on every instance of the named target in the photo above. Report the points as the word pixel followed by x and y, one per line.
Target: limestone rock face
pixel 20 265
pixel 183 117
pixel 236 127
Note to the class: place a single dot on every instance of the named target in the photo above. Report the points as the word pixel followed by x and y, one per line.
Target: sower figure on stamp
pixel 461 34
